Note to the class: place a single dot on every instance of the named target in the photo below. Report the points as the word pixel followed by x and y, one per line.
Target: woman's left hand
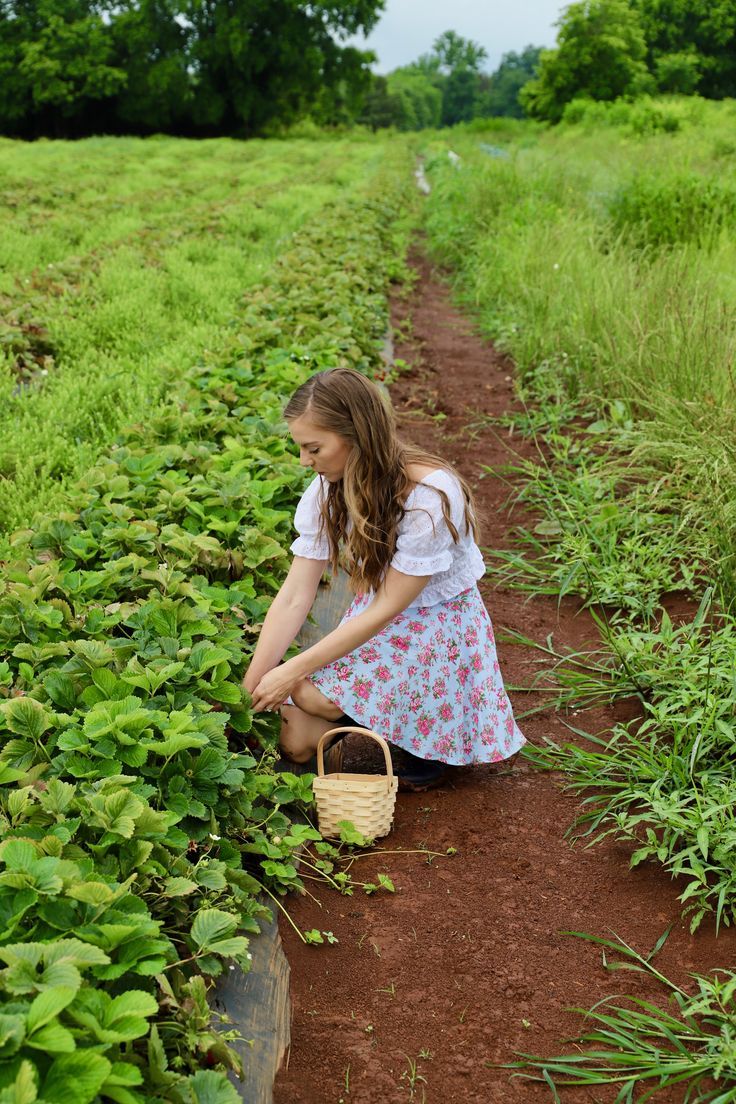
pixel 274 688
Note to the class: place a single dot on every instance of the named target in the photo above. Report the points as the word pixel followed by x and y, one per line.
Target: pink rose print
pixel 439 688
pixel 415 702
pixel 362 688
pixel 430 682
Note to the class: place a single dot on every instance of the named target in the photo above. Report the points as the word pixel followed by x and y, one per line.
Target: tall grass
pixel 544 254
pixel 602 259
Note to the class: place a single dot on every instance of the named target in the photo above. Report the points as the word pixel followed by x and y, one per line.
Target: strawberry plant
pixel 140 812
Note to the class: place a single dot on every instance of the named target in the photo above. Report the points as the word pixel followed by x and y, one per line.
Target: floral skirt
pixel 429 682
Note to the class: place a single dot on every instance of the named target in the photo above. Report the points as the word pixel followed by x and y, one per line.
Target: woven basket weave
pixel 366 800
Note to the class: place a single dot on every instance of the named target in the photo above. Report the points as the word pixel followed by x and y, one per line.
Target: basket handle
pixel 364 732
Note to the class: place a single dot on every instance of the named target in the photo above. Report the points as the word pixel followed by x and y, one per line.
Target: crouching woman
pixel 413 658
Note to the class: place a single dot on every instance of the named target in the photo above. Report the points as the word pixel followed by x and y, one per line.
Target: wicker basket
pixel 366 800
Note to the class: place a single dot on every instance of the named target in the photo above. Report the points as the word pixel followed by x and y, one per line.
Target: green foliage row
pixel 131 260
pixel 140 814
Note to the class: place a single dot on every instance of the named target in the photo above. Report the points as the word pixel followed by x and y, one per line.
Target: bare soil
pixel 469 962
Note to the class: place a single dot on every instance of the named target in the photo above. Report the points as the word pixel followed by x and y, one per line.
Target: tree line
pixel 245 67
pixel 188 67
pixel 605 49
pixel 448 86
pixel 608 49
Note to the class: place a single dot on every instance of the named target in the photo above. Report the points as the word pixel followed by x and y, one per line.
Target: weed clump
pixel 666 211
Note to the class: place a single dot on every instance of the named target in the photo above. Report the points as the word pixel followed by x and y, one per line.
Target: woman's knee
pixel 306 695
pixel 296 755
pixel 293 744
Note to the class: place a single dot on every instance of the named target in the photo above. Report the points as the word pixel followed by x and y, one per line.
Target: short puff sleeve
pixel 309 543
pixel 424 542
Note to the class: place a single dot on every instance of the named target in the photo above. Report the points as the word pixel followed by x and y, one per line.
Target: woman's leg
pixel 306 721
pixel 300 733
pixel 311 700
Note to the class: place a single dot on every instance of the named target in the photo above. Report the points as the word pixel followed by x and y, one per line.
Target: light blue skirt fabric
pixel 429 682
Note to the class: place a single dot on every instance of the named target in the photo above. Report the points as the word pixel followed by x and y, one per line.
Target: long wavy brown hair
pixel 376 481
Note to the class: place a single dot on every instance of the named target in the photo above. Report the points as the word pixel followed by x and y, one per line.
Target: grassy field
pixel 601 255
pixel 121 262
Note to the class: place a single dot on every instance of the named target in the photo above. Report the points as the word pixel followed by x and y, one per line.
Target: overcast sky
pixel 408 28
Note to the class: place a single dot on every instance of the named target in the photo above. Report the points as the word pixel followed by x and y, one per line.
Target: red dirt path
pixel 467 962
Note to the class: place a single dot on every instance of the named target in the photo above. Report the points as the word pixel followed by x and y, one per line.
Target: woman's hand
pixel 275 687
pixel 250 681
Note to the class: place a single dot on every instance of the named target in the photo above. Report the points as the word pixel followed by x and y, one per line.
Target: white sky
pixel 408 28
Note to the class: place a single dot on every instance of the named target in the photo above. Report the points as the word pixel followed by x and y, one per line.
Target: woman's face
pixel 319 449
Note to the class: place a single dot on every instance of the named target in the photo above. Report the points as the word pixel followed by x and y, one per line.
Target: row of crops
pixel 141 819
pixel 601 257
pixel 122 259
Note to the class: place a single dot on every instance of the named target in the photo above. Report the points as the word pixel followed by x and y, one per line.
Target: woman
pixel 413 657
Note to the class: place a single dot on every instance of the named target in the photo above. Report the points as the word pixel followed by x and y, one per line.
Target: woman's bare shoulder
pixel 418 471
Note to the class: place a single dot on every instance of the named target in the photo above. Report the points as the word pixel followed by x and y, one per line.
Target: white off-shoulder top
pixel 424 542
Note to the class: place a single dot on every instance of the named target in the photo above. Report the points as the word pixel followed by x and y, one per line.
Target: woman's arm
pixel 395 593
pixel 285 617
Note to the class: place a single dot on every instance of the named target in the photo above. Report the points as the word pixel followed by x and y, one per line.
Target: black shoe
pixel 417 775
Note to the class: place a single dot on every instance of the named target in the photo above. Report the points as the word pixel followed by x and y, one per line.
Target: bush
pixel 649 118
pixel 659 211
pixel 642 116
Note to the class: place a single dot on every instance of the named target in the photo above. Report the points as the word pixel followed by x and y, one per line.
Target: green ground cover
pixel 122 260
pixel 140 813
pixel 601 255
